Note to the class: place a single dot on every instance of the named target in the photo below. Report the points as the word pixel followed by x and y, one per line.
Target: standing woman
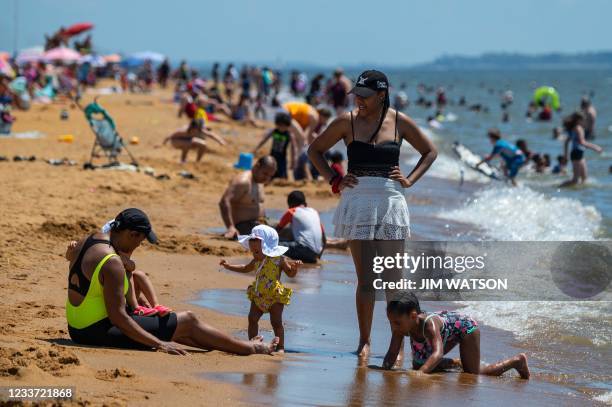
pixel 574 126
pixel 373 213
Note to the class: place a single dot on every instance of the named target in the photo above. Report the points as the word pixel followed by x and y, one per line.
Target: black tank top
pixel 373 160
pixel 84 282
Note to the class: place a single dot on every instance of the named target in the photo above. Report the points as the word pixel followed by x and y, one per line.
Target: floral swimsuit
pixel 454 328
pixel 267 289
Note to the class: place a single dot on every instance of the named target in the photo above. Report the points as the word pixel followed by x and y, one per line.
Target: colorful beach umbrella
pixel 33 54
pixel 76 29
pixel 62 54
pixel 6 69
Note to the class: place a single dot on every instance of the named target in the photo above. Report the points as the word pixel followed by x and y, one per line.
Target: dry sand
pixel 43 206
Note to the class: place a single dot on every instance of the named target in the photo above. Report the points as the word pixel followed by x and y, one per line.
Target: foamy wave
pixel 527 319
pixel 604 398
pixel 450 168
pixel 524 214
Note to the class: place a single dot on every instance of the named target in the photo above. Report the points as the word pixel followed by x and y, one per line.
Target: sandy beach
pixel 44 206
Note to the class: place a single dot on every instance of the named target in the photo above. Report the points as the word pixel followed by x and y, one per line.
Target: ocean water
pixel 570 343
pixel 574 338
pixel 581 213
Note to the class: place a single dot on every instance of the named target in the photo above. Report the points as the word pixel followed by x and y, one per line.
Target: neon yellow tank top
pixel 93 308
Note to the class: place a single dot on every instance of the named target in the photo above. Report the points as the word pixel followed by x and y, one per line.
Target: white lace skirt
pixel 375 209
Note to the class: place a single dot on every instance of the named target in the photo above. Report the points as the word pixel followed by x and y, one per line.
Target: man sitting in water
pixel 511 154
pixel 308 240
pixel 308 234
pixel 242 202
pixel 96 305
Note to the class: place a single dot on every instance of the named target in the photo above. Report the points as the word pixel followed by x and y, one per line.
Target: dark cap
pixel 136 220
pixel 370 82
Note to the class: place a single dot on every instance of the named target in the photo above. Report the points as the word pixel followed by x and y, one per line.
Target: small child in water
pixel 266 294
pixel 432 335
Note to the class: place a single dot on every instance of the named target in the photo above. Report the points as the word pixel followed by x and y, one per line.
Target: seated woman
pixel 141 297
pixel 96 305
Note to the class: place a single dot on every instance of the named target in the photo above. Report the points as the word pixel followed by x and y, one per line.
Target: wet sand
pixel 43 207
pixel 320 368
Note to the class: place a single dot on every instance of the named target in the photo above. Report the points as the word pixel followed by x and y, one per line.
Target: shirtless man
pixel 242 203
pixel 590 114
pixel 337 90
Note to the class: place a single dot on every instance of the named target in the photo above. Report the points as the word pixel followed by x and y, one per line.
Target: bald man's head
pixel 264 169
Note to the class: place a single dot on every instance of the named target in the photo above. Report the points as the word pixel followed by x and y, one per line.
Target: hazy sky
pixel 328 32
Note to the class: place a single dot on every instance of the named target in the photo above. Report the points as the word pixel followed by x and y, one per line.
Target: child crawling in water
pixel 267 294
pixel 432 335
pixel 141 297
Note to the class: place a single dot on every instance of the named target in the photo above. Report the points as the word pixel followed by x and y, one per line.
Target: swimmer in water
pixel 573 125
pixel 513 157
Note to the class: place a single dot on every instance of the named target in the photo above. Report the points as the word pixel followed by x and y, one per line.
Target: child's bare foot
pixel 363 351
pixel 257 338
pixel 264 348
pixel 399 361
pixel 522 367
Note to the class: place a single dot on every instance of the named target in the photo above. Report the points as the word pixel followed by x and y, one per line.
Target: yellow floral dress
pixel 267 289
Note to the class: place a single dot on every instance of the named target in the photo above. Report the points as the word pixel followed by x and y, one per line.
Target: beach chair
pixel 107 140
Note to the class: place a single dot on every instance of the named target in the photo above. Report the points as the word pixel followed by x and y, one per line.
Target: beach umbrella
pixel 33 54
pixel 112 58
pixel 62 54
pixel 94 60
pixel 6 69
pixel 76 29
pixel 547 95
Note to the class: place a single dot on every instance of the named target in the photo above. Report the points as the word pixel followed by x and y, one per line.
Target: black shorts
pixel 299 252
pixel 104 333
pixel 576 155
pixel 244 228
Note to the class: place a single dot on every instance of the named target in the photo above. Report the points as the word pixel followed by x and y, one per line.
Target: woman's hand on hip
pixel 348 181
pixel 396 175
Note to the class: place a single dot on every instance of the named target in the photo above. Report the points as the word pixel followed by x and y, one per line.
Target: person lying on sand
pixel 96 305
pixel 432 335
pixel 242 203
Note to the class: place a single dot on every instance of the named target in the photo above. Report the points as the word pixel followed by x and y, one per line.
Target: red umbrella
pixel 77 29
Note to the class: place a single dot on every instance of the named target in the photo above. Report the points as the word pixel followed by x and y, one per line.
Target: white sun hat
pixel 269 240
